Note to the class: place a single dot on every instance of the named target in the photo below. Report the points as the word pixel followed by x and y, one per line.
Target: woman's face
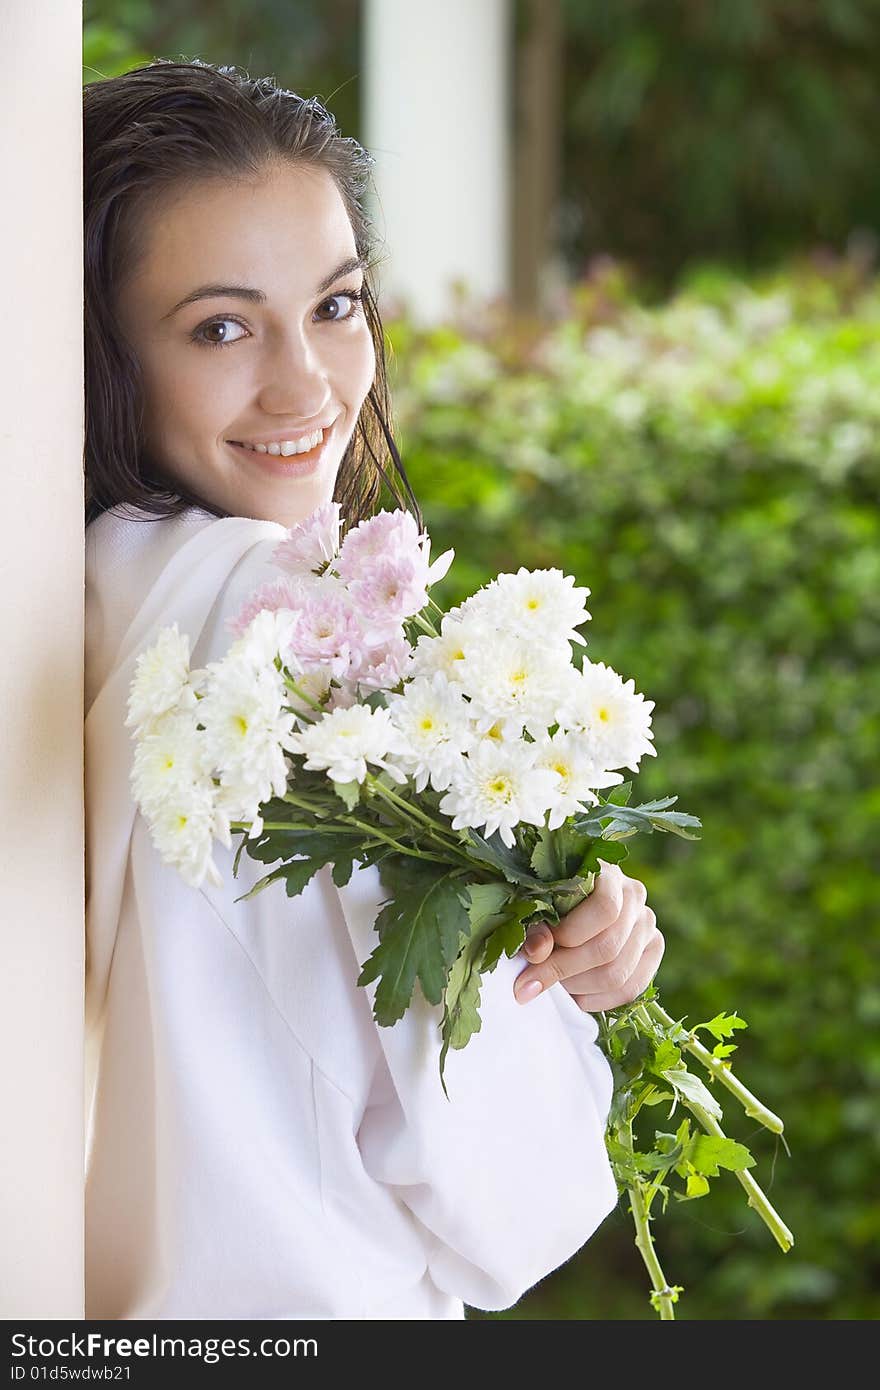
pixel 286 355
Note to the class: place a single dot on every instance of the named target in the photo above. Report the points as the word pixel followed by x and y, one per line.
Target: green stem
pixel 663 1297
pixel 375 833
pixel 352 827
pixel 424 625
pixel 750 1103
pixel 757 1198
pixel 419 818
pixel 287 825
pixel 292 685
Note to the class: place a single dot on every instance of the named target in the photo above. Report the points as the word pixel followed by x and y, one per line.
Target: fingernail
pixel 528 991
pixel 533 939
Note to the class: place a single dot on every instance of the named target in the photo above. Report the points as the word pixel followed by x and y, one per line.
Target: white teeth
pixel 288 446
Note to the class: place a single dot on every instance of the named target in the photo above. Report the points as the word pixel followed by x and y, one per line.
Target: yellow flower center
pixel 240 723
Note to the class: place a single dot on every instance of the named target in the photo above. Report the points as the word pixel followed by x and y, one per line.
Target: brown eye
pixel 207 329
pixel 351 297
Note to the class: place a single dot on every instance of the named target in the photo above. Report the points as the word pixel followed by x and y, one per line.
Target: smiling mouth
pixel 282 458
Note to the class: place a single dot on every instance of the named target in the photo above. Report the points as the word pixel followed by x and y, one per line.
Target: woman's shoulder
pixel 135 545
pixel 143 572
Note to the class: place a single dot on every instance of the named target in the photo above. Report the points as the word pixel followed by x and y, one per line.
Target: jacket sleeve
pixel 510 1176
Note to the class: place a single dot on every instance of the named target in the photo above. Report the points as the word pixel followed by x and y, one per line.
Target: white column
pixel 436 117
pixel 41 582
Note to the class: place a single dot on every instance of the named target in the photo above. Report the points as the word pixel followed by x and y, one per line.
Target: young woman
pixel 257 1146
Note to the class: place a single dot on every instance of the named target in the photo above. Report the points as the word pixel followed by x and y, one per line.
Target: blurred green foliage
pixel 710 468
pixel 309 45
pixel 738 131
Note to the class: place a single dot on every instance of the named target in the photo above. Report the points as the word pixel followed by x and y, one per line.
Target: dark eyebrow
pixel 257 296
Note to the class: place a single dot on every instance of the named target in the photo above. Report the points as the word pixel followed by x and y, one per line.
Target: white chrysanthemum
pixel 497 786
pixel 161 679
pixel 168 758
pixel 245 732
pixel 613 719
pixel 432 717
pixel 537 605
pixel 567 755
pixel 267 636
pixel 512 680
pixel 176 794
pixel 345 740
pixel 442 653
pixel 182 831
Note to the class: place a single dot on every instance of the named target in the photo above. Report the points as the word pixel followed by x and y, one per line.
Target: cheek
pixel 192 395
pixel 358 365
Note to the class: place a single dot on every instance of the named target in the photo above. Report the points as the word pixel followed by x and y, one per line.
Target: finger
pixel 564 962
pixel 639 980
pixel 596 912
pixel 539 942
pixel 614 971
pixel 607 945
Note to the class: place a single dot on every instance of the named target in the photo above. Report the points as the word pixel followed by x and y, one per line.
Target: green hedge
pixel 709 468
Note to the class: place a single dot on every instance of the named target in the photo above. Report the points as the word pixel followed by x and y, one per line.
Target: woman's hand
pixel 605 951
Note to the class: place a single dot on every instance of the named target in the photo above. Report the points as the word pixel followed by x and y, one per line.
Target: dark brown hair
pixel 144 133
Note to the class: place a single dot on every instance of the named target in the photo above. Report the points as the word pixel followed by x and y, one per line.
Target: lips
pixel 276 465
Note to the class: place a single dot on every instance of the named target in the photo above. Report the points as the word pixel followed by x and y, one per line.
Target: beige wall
pixel 41 583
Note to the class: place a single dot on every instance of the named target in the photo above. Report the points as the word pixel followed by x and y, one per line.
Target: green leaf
pixel 510 933
pixel 684 1083
pixel 495 852
pixel 296 875
pixel 342 869
pixel 487 906
pixel 321 843
pixel 697 1185
pixel 666 1055
pixel 610 851
pixel 709 1152
pixel 420 929
pixel 620 795
pixel 349 792
pixel 722 1025
pixel 559 854
pixel 622 822
pixel 304 852
pixel 375 699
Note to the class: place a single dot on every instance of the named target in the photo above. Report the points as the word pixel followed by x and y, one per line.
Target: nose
pixel 296 381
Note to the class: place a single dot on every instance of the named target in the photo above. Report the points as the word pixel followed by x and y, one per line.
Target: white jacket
pixel 258 1147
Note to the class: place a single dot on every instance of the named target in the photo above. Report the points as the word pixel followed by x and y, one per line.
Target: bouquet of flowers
pixel 476 763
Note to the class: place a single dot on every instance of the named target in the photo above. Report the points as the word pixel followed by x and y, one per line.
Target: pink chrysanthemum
pixel 385 534
pixel 274 594
pixel 385 666
pixel 312 542
pixel 327 631
pixel 392 589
